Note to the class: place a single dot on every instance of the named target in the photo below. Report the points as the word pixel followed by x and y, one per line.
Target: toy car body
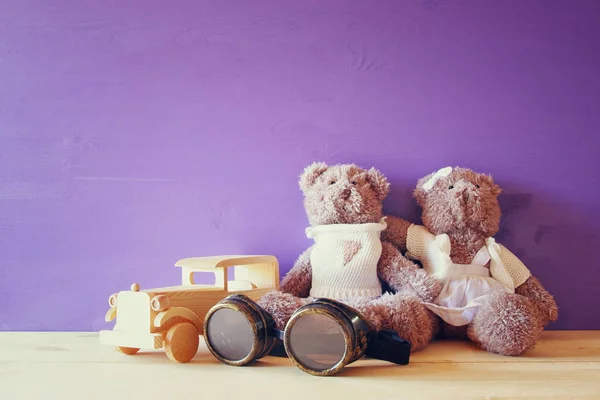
pixel 172 317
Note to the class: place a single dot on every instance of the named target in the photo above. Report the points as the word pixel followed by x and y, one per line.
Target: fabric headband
pixel 437 176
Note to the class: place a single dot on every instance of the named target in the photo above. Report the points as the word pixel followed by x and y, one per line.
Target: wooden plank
pixel 554 346
pixel 74 365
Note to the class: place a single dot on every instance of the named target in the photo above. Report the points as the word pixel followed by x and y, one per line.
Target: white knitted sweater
pixel 344 260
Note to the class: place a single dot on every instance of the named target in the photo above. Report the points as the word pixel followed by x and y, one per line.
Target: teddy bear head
pixel 459 199
pixel 342 194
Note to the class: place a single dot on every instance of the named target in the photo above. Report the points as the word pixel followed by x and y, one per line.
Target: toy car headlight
pixel 160 302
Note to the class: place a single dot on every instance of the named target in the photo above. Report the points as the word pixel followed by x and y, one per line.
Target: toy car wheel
pixel 181 342
pixel 127 350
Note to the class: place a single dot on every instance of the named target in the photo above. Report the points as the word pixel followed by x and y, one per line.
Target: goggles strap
pixel 277 333
pixel 388 346
pixel 278 349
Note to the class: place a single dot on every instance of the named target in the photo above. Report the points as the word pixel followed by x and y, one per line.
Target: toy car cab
pixel 172 317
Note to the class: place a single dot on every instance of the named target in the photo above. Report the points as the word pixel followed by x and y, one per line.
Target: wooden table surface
pixel 74 366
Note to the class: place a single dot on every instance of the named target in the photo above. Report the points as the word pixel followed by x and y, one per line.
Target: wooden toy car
pixel 172 317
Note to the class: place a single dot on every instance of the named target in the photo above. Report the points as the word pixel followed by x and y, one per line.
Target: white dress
pixel 494 269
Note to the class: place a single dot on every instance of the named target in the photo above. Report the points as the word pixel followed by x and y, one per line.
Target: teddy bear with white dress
pixel 488 294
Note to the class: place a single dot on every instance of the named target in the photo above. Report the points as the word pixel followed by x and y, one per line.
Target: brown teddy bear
pixel 488 294
pixel 348 261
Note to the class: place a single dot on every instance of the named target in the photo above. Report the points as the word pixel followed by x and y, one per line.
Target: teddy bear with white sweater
pixel 349 262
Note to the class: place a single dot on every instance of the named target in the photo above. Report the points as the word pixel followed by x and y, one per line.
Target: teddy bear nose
pixel 466 195
pixel 346 193
pixel 469 193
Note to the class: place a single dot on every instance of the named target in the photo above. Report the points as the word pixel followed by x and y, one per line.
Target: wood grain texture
pixel 181 342
pixel 65 365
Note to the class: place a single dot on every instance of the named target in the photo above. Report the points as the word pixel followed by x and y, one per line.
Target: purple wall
pixel 134 133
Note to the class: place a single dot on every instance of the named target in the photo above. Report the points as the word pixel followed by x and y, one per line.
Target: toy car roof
pixel 224 261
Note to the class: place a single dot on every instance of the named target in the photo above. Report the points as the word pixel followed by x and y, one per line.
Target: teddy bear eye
pixel 451 187
pixel 332 182
pixel 477 186
pixel 354 183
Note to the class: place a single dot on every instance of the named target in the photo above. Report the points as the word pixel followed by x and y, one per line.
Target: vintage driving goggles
pixel 320 338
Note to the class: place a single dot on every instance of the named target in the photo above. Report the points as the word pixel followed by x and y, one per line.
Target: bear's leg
pixel 506 324
pixel 281 306
pixel 402 313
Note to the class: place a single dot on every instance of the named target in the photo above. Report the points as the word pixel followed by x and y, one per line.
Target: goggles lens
pixel 230 334
pixel 317 341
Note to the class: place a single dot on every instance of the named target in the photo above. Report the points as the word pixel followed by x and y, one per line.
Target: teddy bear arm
pixel 529 286
pixel 402 275
pixel 298 280
pixel 396 231
pixel 540 297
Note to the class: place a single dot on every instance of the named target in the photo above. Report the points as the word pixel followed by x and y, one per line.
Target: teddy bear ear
pixel 495 188
pixel 420 193
pixel 378 182
pixel 427 183
pixel 310 175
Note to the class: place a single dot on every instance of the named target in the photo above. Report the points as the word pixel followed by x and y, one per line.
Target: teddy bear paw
pixel 425 286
